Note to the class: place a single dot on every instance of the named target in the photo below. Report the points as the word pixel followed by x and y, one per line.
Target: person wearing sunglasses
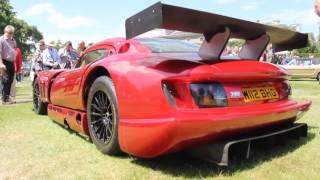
pixel 7 58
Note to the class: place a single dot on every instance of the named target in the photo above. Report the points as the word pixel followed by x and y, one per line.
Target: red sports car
pixel 151 96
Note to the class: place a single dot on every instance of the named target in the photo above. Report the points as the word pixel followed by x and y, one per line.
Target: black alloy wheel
pixel 102 117
pixel 102 113
pixel 38 106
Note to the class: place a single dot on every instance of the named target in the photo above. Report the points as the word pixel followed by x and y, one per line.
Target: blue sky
pixel 95 20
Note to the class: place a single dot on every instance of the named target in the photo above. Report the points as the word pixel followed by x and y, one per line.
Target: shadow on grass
pixel 72 132
pixel 24 94
pixel 181 165
pixel 17 102
pixel 304 80
pixel 313 127
pixel 23 101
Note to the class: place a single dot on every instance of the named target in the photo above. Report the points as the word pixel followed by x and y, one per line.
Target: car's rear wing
pixel 163 16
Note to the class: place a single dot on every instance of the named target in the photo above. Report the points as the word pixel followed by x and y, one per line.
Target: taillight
pixel 286 89
pixel 207 95
pixel 289 89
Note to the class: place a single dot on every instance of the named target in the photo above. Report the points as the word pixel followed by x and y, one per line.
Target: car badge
pixel 235 94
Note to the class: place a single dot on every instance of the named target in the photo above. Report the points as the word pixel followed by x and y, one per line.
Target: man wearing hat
pixel 51 58
pixel 68 55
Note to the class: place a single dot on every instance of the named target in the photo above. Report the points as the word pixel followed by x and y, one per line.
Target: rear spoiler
pixel 163 16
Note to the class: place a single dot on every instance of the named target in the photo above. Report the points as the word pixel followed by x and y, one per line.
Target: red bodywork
pixel 148 124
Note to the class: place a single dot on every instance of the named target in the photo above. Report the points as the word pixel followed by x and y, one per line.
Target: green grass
pixel 34 147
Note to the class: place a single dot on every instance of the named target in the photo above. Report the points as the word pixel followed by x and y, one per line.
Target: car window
pixel 93 56
pixel 293 62
pixel 315 61
pixel 161 45
pixel 303 62
pixel 307 62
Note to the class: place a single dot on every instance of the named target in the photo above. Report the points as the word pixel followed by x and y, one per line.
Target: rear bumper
pixel 182 129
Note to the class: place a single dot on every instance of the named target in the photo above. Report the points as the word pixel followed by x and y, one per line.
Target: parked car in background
pixel 304 68
pixel 26 68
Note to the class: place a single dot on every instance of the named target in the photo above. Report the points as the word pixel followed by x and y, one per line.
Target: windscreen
pixel 161 45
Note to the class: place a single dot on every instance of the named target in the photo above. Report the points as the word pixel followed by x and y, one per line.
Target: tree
pixel 25 34
pixel 236 42
pixel 311 49
pixel 58 45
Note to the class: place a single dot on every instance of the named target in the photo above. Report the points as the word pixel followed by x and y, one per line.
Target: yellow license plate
pixel 259 93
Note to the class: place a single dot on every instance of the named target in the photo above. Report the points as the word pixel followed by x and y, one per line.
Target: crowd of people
pixel 267 56
pixel 45 57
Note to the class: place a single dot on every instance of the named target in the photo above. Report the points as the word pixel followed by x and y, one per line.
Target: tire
pixel 102 113
pixel 38 106
pixel 318 77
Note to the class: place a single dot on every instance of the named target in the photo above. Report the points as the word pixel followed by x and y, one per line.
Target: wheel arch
pixel 46 78
pixel 88 81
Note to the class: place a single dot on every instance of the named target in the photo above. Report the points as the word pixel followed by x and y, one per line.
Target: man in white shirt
pixel 51 58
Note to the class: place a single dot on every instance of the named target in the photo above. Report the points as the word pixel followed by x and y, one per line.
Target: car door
pixel 66 87
pixel 292 67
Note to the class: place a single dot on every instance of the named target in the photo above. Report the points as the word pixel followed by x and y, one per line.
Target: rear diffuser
pixel 218 152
